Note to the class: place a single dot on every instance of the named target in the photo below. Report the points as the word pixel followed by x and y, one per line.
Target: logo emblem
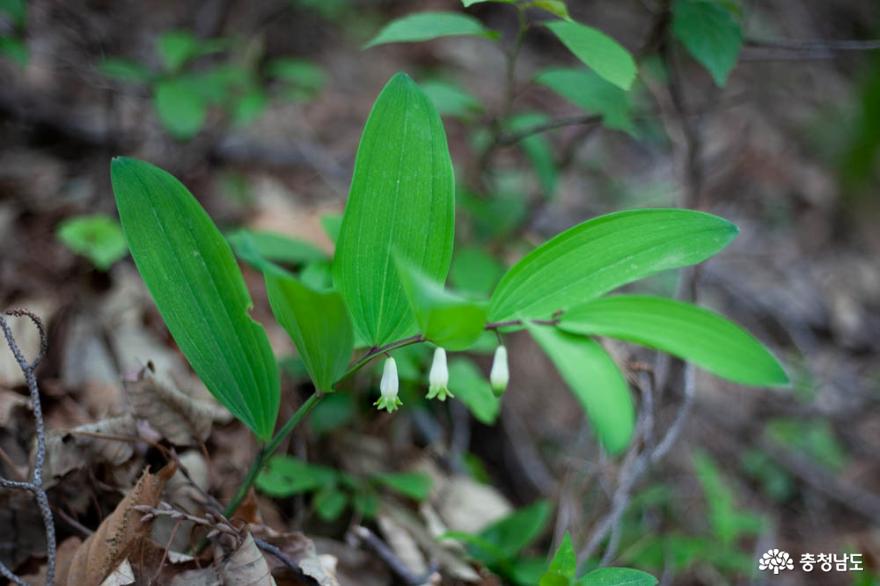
pixel 776 560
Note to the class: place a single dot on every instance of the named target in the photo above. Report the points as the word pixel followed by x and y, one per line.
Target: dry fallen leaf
pixel 180 419
pixel 109 441
pixel 301 551
pixel 246 566
pixel 101 553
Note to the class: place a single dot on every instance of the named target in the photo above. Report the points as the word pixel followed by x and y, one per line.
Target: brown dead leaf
pixel 301 550
pixel 246 566
pixel 10 405
pixel 110 441
pixel 200 577
pixel 63 554
pixel 102 552
pixel 181 419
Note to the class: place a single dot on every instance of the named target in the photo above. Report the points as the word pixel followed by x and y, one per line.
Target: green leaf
pixel 301 73
pixel 595 380
pixel 330 503
pixel 176 48
pixel 414 485
pixel 285 476
pixel 728 522
pixel 603 254
pixel 563 567
pixel 617 577
pixel 125 70
pixel 684 330
pixel 451 100
pixel 513 533
pixel 181 107
pixel 273 247
pixel 332 412
pixel 191 273
pixel 318 324
pixel 554 7
pixel 15 49
pixel 366 502
pixel 401 202
pixel 474 271
pixel 446 319
pixel 588 91
pixel 97 237
pixel 332 223
pixel 16 10
pixel 424 26
pixel 537 149
pixel 471 388
pixel 597 51
pixel 710 32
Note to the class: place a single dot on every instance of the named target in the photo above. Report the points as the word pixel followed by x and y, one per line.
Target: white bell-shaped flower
pixel 500 374
pixel 388 388
pixel 438 378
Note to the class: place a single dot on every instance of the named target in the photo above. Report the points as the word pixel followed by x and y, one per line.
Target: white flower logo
pixel 775 560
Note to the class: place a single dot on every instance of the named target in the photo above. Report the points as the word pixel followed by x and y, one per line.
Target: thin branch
pixel 381 549
pixel 798 50
pixel 35 484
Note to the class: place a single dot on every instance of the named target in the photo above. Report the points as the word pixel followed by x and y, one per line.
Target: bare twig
pixel 381 549
pixel 35 484
pixel 799 50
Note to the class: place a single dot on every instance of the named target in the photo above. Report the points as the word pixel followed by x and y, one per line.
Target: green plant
pixel 184 95
pixel 12 43
pixel 392 258
pixel 333 490
pixel 98 237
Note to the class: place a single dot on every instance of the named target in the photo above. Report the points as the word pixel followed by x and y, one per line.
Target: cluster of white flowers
pixel 438 379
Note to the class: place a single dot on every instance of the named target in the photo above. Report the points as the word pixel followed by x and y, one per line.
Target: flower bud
pixel 500 375
pixel 438 379
pixel 388 388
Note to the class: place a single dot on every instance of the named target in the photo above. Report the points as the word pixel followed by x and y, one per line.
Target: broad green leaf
pixel 815 439
pixel 125 70
pixel 180 106
pixel 248 106
pixel 318 324
pixel 513 533
pixel 585 89
pixel 285 476
pixel 414 485
pixel 330 503
pixel 595 380
pixel 317 275
pixel 300 72
pixel 710 32
pixel 401 203
pixel 471 388
pixel 537 149
pixel 191 273
pixel 424 26
pixel 451 100
pixel 446 319
pixel 563 566
pixel 97 237
pixel 274 247
pixel 684 330
pixel 617 577
pixel 474 271
pixel 603 254
pixel 554 7
pixel 597 51
pixel 366 502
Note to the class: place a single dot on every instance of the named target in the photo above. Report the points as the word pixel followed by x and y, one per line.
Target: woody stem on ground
pixel 270 448
pixel 35 484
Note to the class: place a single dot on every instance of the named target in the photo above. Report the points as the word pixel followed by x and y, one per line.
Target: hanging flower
pixel 500 374
pixel 388 387
pixel 438 379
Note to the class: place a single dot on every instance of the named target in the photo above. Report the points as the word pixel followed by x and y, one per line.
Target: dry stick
pixel 35 484
pixel 381 549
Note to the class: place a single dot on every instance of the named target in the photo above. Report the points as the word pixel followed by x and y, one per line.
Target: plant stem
pixel 268 450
